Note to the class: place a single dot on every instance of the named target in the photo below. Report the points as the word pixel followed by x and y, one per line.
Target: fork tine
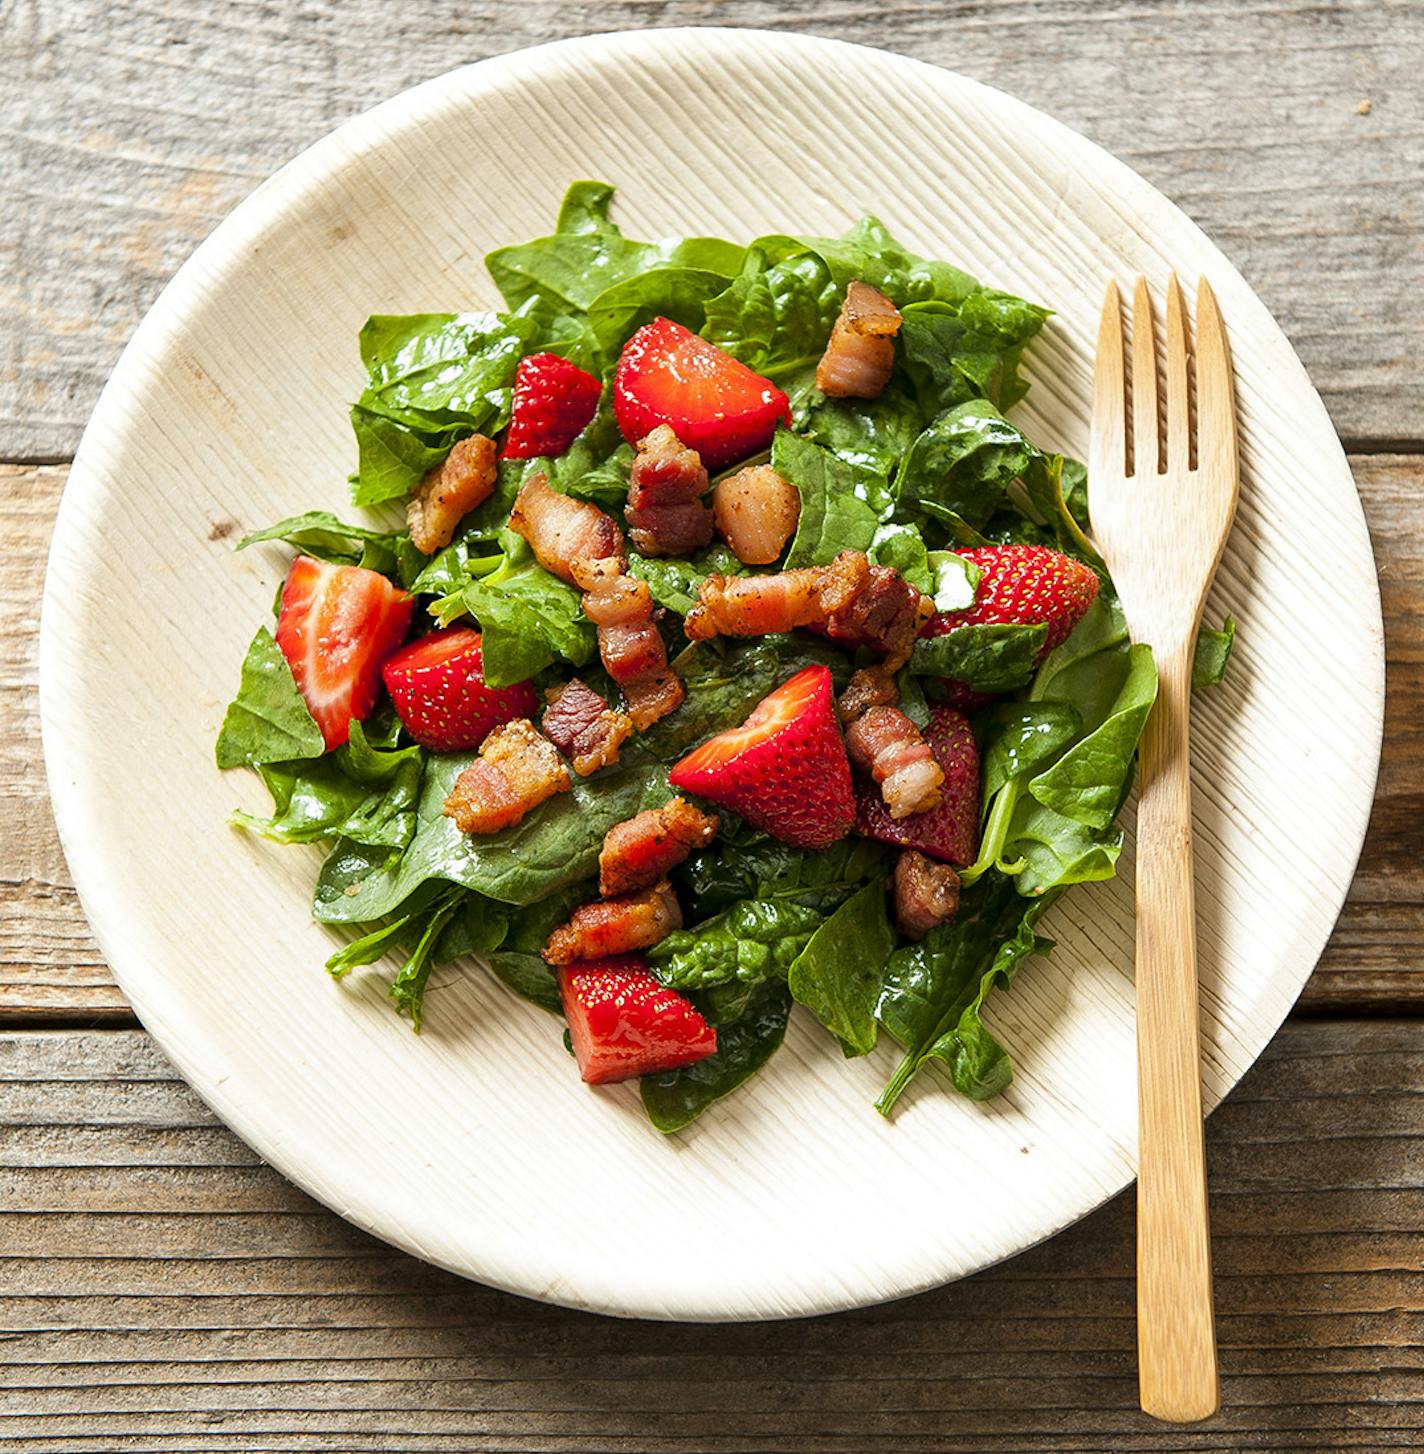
pixel 1108 447
pixel 1179 427
pixel 1216 404
pixel 1145 459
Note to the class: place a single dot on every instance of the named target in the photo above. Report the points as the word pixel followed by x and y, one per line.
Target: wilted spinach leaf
pixel 837 975
pixel 995 657
pixel 754 940
pixel 267 721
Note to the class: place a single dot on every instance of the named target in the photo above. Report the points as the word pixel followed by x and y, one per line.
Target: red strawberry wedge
pixel 1024 585
pixel 553 400
pixel 713 402
pixel 949 832
pixel 440 695
pixel 336 626
pixel 784 769
pixel 623 1023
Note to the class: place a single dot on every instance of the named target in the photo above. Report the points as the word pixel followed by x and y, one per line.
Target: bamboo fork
pixel 1161 524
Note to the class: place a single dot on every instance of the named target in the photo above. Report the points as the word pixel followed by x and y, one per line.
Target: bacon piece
pixel 616 926
pixel 926 893
pixel 517 769
pixel 561 529
pixel 644 848
pixel 756 513
pixel 871 686
pixel 860 355
pixel 886 614
pixel 584 727
pixel 884 742
pixel 629 642
pixel 764 605
pixel 665 512
pixel 463 479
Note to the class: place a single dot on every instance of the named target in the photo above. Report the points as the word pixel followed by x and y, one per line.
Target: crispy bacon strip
pixel 562 530
pixel 871 686
pixel 517 769
pixel 629 643
pixel 644 848
pixel 464 479
pixel 860 354
pixel 885 614
pixel 616 926
pixel 584 727
pixel 665 512
pixel 886 744
pixel 764 605
pixel 926 893
pixel 756 513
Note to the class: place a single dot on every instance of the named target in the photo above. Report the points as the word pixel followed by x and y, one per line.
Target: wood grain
pixel 130 130
pixel 50 966
pixel 160 1290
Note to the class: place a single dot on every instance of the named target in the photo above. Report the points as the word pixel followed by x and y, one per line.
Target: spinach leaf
pixel 955 580
pixel 408 987
pixel 745 864
pixel 833 516
pixel 529 977
pixel 676 1098
pixel 1213 652
pixel 1024 736
pixel 934 991
pixel 869 435
pixel 955 351
pixel 674 583
pixel 555 846
pixel 902 548
pixel 319 533
pixel 990 658
pixel 837 975
pixel 267 721
pixel 754 940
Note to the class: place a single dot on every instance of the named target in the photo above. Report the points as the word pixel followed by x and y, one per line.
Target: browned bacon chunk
pixel 561 529
pixel 464 479
pixel 629 643
pixel 616 926
pixel 871 686
pixel 860 355
pixel 584 727
pixel 763 605
pixel 884 742
pixel 665 512
pixel 517 769
pixel 926 893
pixel 644 848
pixel 756 513
pixel 886 614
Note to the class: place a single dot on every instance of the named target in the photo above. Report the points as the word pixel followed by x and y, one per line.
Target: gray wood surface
pixel 161 1289
pixel 165 1291
pixel 130 130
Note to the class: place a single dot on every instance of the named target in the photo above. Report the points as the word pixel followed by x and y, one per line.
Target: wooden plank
pixel 50 966
pixel 131 130
pixel 251 1319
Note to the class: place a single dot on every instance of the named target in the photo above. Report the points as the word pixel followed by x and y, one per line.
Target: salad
pixel 736 651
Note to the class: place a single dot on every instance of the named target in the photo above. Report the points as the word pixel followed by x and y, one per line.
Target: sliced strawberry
pixel 785 769
pixel 439 691
pixel 624 1023
pixel 950 831
pixel 553 401
pixel 713 402
pixel 336 626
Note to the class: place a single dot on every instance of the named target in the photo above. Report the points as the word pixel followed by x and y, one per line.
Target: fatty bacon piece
pixel 644 848
pixel 584 727
pixel 926 893
pixel 860 355
pixel 615 926
pixel 882 741
pixel 562 530
pixel 756 512
pixel 629 643
pixel 464 479
pixel 849 600
pixel 517 769
pixel 666 483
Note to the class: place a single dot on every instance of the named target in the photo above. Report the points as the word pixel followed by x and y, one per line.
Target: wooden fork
pixel 1161 524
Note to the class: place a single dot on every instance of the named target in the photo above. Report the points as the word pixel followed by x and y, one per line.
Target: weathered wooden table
pixel 163 1290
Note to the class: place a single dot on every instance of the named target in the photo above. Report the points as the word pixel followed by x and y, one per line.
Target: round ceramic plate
pixel 475 1145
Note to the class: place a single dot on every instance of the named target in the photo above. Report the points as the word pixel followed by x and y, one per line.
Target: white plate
pixel 475 1145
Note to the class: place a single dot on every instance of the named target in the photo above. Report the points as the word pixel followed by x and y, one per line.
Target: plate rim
pixel 366 131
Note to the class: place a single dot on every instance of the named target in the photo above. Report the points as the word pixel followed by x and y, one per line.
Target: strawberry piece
pixel 785 769
pixel 623 1023
pixel 439 691
pixel 336 626
pixel 713 402
pixel 553 401
pixel 950 831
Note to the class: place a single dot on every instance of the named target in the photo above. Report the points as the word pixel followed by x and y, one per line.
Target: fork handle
pixel 1176 1337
